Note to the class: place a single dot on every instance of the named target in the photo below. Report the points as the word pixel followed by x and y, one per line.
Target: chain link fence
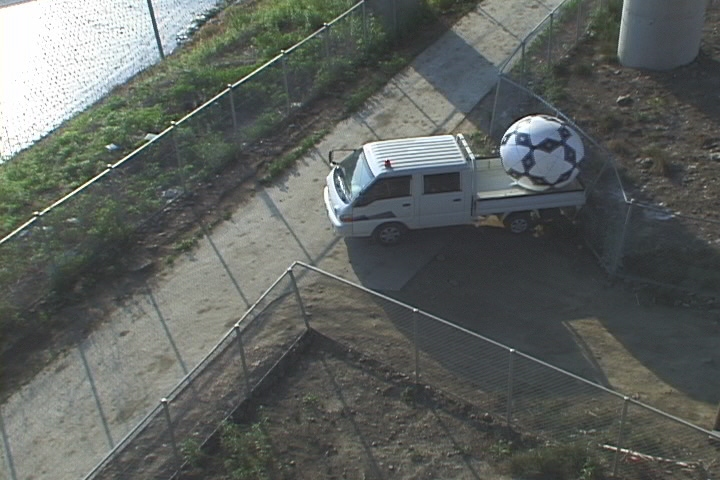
pixel 529 396
pixel 631 239
pixel 84 230
pixel 56 242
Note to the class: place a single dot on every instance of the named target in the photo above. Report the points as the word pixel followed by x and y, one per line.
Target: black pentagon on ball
pixel 528 161
pixel 563 177
pixel 564 132
pixel 523 139
pixel 548 145
pixel 570 155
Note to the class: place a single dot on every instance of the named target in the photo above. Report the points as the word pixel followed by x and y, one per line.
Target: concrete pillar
pixel 660 34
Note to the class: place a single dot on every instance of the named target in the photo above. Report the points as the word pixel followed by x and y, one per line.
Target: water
pixel 59 56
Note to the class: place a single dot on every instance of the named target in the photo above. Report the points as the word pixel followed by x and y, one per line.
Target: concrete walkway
pixel 61 424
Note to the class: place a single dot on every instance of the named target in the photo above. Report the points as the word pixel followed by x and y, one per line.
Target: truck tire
pixel 389 234
pixel 518 222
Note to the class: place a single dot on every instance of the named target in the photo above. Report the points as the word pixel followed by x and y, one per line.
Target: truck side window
pixel 441 183
pixel 392 187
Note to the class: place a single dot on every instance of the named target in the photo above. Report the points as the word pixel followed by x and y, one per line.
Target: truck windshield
pixel 353 175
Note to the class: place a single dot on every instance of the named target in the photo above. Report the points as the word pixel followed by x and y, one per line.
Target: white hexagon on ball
pixel 541 152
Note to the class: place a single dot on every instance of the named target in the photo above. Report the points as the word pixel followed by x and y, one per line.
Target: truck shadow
pixel 545 296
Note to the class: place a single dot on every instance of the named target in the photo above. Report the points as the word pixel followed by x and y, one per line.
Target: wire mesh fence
pixel 630 238
pixel 528 396
pixel 84 230
pixel 429 350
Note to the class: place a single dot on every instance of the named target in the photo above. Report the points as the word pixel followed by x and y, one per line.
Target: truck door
pixel 387 199
pixel 442 201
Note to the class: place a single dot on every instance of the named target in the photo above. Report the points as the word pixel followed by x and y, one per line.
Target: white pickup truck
pixel 386 188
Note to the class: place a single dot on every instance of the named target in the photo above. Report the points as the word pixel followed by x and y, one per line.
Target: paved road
pixel 54 424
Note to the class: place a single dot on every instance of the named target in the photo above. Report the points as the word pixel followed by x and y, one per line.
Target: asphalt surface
pixel 64 421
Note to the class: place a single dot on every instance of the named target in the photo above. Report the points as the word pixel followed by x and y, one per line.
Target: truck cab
pixel 387 187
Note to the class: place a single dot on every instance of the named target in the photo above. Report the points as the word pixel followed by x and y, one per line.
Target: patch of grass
pixel 552 88
pixel 185 245
pixel 192 452
pixel 557 462
pixel 279 166
pixel 248 453
pixel 311 401
pixel 482 144
pixel 605 27
pixel 500 450
pixel 643 116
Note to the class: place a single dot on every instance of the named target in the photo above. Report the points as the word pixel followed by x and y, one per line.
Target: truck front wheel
pixel 390 233
pixel 518 222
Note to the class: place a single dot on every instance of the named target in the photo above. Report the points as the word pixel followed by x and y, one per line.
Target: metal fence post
pixel 511 373
pixel 298 297
pixel 6 448
pixel 166 329
pixel 550 36
pixel 43 243
pixel 242 359
pixel 178 157
pixel 495 103
pixel 620 248
pixel 166 410
pixel 716 425
pixel 96 396
pixel 326 39
pixel 396 30
pixel 364 26
pixel 578 21
pixel 416 312
pixel 155 29
pixel 623 417
pixel 286 83
pixel 232 107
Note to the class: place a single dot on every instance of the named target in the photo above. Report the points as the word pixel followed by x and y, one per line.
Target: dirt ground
pixel 662 127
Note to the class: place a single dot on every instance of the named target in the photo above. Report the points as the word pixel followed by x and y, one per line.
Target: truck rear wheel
pixel 389 234
pixel 518 222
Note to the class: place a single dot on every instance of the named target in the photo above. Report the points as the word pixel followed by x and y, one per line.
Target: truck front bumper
pixel 341 229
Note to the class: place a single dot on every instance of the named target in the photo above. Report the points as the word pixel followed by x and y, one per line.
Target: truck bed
pixel 498 193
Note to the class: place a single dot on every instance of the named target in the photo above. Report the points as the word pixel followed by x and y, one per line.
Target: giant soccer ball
pixel 541 152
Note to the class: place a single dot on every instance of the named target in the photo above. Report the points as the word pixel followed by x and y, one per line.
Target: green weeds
pixel 559 462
